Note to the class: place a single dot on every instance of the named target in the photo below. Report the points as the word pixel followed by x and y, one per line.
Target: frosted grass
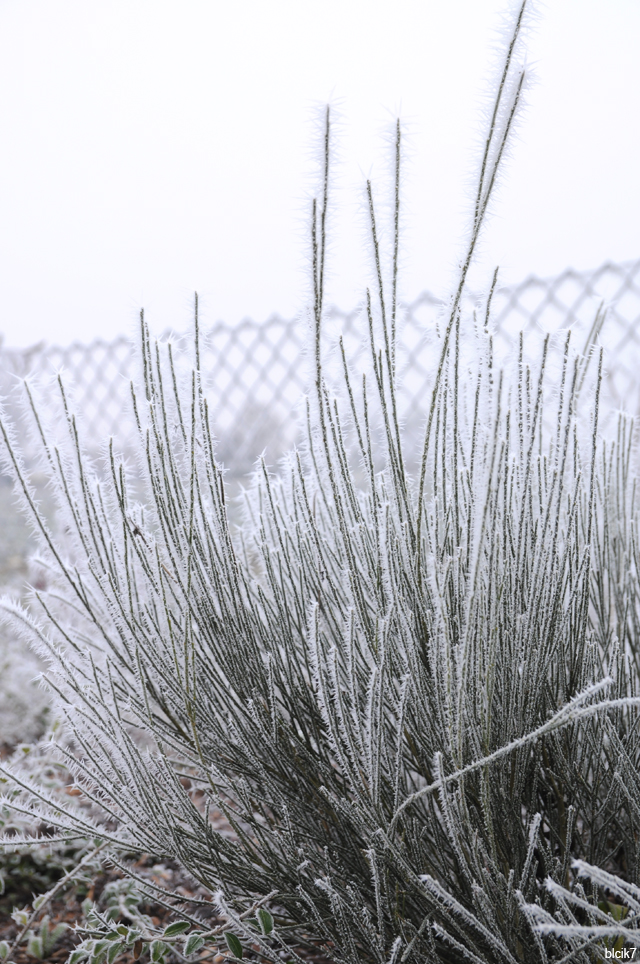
pixel 414 699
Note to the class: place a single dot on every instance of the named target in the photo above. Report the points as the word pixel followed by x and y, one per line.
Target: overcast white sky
pixel 149 148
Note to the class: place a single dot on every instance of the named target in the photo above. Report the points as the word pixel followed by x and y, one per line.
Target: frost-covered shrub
pixel 23 703
pixel 414 699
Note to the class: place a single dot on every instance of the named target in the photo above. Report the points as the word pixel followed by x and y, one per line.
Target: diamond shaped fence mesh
pixel 256 373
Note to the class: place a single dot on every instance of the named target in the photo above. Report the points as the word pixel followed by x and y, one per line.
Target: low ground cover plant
pixel 413 698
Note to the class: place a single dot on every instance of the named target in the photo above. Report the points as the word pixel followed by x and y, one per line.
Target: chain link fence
pixel 256 372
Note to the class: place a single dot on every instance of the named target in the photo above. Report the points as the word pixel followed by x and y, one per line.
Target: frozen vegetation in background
pixel 23 703
pixel 414 697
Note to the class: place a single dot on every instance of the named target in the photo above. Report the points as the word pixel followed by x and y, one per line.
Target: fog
pixel 150 149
